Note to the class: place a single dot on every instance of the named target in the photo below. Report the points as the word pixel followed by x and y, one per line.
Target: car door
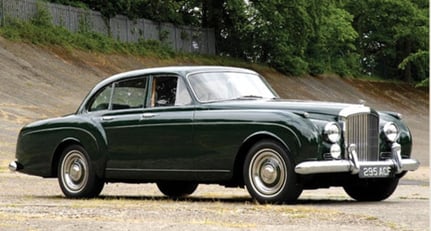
pixel 147 122
pixel 167 150
pixel 119 108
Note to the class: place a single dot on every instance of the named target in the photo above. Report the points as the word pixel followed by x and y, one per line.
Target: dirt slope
pixel 39 82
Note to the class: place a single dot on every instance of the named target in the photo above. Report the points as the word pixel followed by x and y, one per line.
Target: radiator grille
pixel 363 130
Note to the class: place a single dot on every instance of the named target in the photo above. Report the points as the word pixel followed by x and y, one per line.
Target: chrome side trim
pixel 168 170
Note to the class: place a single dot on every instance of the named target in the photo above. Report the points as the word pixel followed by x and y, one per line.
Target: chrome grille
pixel 363 130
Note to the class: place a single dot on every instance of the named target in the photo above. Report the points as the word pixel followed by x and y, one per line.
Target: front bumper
pixel 352 165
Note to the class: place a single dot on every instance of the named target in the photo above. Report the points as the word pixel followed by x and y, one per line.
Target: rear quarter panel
pixel 39 143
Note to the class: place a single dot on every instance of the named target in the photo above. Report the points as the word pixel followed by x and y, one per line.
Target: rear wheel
pixel 371 189
pixel 177 189
pixel 269 175
pixel 76 175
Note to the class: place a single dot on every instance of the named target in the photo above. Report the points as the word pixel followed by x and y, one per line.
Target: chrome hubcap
pixel 267 172
pixel 74 171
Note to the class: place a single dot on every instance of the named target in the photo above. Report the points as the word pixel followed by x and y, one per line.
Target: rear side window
pixel 169 91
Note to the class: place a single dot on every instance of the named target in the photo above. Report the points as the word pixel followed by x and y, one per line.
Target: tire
pixel 76 175
pixel 177 189
pixel 371 189
pixel 269 174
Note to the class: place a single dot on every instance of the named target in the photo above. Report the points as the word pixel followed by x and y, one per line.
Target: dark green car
pixel 182 126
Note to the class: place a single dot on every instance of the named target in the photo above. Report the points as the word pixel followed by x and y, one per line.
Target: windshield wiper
pixel 250 97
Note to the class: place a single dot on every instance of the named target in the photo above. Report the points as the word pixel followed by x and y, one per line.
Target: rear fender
pixel 92 141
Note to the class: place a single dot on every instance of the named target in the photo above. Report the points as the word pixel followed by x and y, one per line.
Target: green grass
pixel 42 32
pixel 46 34
pixel 378 79
pixel 50 35
pixel 425 83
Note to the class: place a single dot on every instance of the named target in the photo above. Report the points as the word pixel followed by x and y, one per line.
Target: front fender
pixel 404 138
pixel 298 134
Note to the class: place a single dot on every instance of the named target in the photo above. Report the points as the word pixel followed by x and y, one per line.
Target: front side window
pixel 102 99
pixel 126 94
pixel 129 94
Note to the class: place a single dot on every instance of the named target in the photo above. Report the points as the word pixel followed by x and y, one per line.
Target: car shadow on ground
pixel 228 200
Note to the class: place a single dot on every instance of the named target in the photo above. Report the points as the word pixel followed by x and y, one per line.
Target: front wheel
pixel 76 175
pixel 269 175
pixel 371 189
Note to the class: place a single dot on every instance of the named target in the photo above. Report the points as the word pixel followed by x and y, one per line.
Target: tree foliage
pixel 393 37
pixel 331 46
pixel 385 38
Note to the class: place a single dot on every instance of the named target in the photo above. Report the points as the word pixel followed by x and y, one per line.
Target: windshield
pixel 218 86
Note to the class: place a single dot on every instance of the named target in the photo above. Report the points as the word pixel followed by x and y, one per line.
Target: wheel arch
pixel 93 151
pixel 247 145
pixel 58 151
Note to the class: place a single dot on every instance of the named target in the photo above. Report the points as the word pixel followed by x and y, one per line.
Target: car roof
pixel 181 70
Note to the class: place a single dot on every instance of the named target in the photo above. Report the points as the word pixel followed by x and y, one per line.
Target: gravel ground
pixel 31 203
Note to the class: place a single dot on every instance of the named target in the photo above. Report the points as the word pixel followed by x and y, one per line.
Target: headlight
pixel 332 132
pixel 391 131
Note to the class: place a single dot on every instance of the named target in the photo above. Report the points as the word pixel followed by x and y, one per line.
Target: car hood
pixel 313 108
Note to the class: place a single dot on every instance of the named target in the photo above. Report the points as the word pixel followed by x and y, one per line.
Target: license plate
pixel 375 171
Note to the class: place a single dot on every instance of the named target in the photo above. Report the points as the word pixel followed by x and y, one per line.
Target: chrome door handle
pixel 107 118
pixel 148 115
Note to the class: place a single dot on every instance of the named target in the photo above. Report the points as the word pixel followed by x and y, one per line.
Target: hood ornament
pixel 363 102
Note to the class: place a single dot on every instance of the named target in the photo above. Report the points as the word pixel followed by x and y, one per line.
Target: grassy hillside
pixel 40 81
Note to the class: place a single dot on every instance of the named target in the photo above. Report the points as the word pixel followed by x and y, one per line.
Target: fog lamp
pixel 335 151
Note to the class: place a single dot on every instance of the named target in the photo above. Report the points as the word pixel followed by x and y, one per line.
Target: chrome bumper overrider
pixel 14 166
pixel 352 165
